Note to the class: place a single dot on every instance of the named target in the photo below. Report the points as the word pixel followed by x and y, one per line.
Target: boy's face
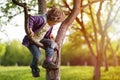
pixel 52 22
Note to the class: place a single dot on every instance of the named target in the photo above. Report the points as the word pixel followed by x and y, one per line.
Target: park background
pixel 93 34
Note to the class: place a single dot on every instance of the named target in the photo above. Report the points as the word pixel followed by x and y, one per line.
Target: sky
pixel 11 31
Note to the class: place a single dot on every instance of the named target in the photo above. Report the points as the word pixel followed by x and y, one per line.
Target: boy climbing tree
pixel 59 38
pixel 42 33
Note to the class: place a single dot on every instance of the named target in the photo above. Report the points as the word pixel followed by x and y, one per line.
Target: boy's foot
pixel 49 65
pixel 35 72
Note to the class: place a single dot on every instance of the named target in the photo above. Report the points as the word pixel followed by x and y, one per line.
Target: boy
pixel 42 33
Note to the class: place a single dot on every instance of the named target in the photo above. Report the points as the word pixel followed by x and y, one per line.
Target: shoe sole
pixel 49 68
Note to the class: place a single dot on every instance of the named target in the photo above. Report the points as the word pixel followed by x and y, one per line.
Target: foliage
pixel 8 10
pixel 16 54
pixel 75 55
pixel 2 49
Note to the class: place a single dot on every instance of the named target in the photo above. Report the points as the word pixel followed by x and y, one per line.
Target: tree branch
pixel 26 26
pixel 17 3
pixel 83 6
pixel 98 16
pixel 110 21
pixel 64 26
pixel 83 30
pixel 94 27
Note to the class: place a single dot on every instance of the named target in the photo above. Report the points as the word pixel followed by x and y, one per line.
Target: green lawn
pixel 67 73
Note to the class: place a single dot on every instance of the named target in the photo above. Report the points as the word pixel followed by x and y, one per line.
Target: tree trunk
pixel 97 72
pixel 105 56
pixel 41 6
pixel 55 74
pixel 115 61
pixel 106 62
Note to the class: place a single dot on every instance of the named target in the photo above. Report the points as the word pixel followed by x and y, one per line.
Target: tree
pixel 99 33
pixel 60 36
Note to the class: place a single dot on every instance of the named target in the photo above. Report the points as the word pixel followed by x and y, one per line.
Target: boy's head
pixel 54 16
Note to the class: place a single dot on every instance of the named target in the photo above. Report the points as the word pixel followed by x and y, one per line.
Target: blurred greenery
pixel 67 73
pixel 14 53
pixel 2 49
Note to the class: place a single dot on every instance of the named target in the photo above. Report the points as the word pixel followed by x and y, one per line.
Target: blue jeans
pixel 36 55
pixel 49 50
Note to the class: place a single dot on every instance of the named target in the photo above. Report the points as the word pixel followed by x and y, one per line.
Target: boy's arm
pixel 31 22
pixel 31 33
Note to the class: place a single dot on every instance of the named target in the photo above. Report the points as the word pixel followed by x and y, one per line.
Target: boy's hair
pixel 55 14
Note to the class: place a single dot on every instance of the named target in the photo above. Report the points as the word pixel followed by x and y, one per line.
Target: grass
pixel 67 73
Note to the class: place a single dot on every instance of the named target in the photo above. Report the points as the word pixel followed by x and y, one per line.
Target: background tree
pixel 99 32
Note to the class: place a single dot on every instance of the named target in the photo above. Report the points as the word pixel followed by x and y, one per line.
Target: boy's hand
pixel 56 46
pixel 52 37
pixel 31 33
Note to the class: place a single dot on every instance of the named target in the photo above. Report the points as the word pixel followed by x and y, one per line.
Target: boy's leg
pixel 35 61
pixel 49 49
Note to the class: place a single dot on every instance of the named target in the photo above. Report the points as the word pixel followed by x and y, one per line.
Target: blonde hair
pixel 55 14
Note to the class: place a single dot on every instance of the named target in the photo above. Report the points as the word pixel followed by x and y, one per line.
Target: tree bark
pixel 115 60
pixel 106 62
pixel 97 71
pixel 105 55
pixel 60 37
pixel 41 6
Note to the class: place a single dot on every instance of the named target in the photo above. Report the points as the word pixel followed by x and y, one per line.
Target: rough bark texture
pixel 41 6
pixel 97 71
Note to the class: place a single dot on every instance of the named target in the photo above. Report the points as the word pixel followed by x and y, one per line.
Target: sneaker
pixel 49 65
pixel 35 72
